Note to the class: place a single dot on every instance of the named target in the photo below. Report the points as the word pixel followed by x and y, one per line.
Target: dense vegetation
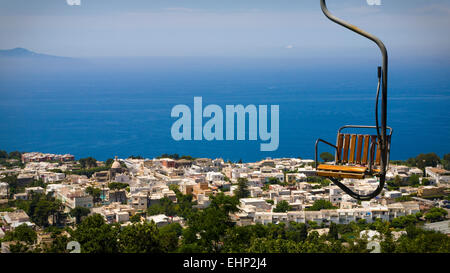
pixel 413 181
pixel 176 156
pixel 11 160
pixel 425 160
pixel 326 156
pixel 321 204
pixel 211 231
pixel 40 208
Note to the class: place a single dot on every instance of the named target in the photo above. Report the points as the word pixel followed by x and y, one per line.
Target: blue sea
pixel 103 107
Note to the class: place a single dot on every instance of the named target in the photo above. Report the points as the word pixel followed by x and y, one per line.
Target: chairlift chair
pixel 359 155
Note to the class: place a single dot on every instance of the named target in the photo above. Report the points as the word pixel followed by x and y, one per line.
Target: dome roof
pixel 116 164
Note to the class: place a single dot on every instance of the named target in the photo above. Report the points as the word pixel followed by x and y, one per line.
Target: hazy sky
pixel 272 28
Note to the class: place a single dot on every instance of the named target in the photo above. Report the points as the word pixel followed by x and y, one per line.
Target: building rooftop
pixel 443 226
pixel 439 171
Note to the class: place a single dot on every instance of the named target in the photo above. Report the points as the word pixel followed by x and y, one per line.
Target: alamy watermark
pixel 213 128
pixel 73 2
pixel 374 2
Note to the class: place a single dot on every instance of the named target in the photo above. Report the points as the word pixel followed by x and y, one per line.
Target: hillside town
pixel 279 190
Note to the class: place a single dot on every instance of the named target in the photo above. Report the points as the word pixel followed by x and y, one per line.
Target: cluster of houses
pixel 41 157
pixel 270 181
pixel 256 210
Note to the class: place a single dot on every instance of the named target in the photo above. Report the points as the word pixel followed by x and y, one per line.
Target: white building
pixel 392 194
pixel 139 201
pixel 160 220
pixel 16 218
pixel 74 197
pixel 51 177
pixel 31 190
pixel 339 216
pixel 214 176
pixel 441 176
pixel 122 216
pixel 3 190
pixel 122 178
pixel 259 203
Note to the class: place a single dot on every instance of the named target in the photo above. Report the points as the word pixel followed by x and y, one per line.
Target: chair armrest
pixel 371 157
pixel 316 150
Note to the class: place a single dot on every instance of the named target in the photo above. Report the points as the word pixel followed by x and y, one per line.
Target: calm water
pixel 107 107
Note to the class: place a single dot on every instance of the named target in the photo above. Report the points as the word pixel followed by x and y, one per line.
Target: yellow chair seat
pixel 341 171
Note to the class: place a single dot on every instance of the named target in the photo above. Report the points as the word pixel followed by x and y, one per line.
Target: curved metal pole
pixel 383 142
pixel 355 195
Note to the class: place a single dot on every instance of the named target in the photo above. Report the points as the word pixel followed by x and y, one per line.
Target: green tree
pixel 95 193
pixel 422 242
pixel 319 180
pixel 273 180
pixel 333 232
pixel 3 154
pixel 297 232
pixel 187 157
pixel 207 227
pixel 172 156
pixel 446 157
pixel 169 236
pixel 117 185
pixel 313 224
pixel 90 171
pixel 412 231
pixel 88 162
pixel 436 214
pixel 135 218
pixel 425 160
pixel 109 162
pixel 404 221
pixel 326 156
pixel 15 155
pixel 395 184
pixel 41 207
pixel 282 206
pixel 185 204
pixel 426 181
pixel 58 245
pixel 165 206
pixel 237 239
pixel 79 212
pixel 446 161
pixel 174 187
pixel 242 189
pixel 19 247
pixel 96 236
pixel 224 202
pixel 321 204
pixel 140 238
pixel 411 162
pixel 414 180
pixel 11 180
pixel 135 157
pixel 155 209
pixel 403 199
pixel 22 233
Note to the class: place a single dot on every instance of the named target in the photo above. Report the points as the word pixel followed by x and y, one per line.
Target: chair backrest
pixel 359 149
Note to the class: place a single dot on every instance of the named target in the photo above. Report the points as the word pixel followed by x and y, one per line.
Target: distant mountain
pixel 19 52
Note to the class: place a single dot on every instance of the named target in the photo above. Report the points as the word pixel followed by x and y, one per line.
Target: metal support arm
pixel 384 72
pixel 326 142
